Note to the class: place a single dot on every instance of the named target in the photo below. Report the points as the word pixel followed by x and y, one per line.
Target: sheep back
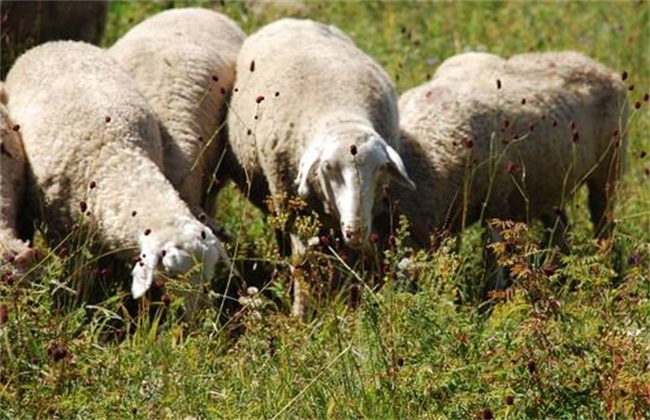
pixel 183 61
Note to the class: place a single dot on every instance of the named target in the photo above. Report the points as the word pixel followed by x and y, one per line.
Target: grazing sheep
pixel 27 23
pixel 313 114
pixel 94 148
pixel 511 139
pixel 12 185
pixel 183 61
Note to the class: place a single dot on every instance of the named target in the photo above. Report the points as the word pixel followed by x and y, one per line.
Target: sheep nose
pixel 355 237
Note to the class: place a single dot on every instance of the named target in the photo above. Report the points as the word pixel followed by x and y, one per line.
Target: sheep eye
pixel 328 166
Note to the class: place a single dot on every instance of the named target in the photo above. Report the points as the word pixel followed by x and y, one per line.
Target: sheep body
pixel 95 153
pixel 13 173
pixel 183 61
pixel 511 139
pixel 311 110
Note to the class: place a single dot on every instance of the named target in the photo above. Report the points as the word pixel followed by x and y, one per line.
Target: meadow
pixel 565 340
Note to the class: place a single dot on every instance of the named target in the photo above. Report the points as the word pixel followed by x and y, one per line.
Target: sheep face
pixel 195 253
pixel 349 170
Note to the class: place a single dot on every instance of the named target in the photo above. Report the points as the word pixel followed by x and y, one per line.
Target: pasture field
pixel 568 339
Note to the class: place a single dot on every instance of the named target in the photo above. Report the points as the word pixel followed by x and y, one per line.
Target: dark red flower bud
pixel 4 314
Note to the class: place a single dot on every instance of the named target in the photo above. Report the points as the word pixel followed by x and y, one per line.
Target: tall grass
pixel 564 341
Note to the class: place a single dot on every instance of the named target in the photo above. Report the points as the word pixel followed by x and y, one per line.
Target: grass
pixel 563 342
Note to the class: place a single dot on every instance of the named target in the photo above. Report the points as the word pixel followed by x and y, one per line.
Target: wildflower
pixel 252 66
pixel 259 99
pixel 512 167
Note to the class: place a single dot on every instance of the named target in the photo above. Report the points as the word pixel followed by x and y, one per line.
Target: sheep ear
pixel 397 169
pixel 3 94
pixel 142 274
pixel 309 158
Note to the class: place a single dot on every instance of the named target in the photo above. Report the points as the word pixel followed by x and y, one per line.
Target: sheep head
pixel 350 167
pixel 190 249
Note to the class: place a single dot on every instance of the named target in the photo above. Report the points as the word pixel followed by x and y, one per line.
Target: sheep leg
pixel 556 226
pixel 600 207
pixel 299 292
pixel 494 270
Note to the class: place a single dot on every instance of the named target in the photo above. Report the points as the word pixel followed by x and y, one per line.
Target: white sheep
pixel 183 61
pixel 312 114
pixel 13 173
pixel 94 148
pixel 511 139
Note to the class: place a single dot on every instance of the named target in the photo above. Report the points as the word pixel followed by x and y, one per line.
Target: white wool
pixel 511 139
pixel 313 115
pixel 183 61
pixel 91 137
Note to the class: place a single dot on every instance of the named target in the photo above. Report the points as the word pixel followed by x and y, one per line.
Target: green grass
pixel 570 342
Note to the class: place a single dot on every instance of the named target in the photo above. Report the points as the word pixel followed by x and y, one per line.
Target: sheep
pixel 183 61
pixel 511 139
pixel 95 154
pixel 312 114
pixel 26 24
pixel 13 175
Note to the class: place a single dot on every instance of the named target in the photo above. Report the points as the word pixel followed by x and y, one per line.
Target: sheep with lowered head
pixel 314 115
pixel 511 139
pixel 94 148
pixel 13 172
pixel 183 61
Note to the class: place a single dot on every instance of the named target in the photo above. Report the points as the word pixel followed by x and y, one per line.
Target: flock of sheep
pixel 132 139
